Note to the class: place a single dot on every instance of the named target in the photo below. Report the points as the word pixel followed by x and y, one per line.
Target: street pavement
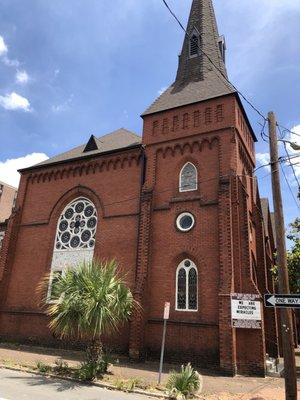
pixel 15 385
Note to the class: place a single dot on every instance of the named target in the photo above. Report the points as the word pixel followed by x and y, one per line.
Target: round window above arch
pixel 185 222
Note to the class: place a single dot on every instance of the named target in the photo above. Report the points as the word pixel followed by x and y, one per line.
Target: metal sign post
pixel 166 317
pixel 282 300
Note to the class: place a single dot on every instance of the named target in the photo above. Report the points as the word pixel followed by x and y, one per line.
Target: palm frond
pixel 93 299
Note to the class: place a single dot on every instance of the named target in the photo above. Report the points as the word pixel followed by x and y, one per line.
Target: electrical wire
pixel 289 186
pixel 181 187
pixel 262 133
pixel 287 130
pixel 213 64
pixel 289 161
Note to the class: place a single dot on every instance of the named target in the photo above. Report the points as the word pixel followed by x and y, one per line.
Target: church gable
pixel 117 140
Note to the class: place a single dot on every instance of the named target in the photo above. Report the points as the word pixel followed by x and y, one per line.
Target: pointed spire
pixel 202 32
pixel 197 79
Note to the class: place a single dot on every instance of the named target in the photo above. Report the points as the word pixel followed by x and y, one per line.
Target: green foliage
pixel 127 385
pixel 293 258
pixel 184 384
pixel 43 368
pixel 92 300
pixel 90 371
pixel 61 367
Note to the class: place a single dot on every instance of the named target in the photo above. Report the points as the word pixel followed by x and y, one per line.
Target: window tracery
pixel 187 286
pixel 188 178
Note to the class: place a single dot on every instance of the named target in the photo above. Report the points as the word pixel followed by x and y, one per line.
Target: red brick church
pixel 178 208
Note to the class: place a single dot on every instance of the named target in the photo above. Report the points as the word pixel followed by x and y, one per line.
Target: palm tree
pixel 92 300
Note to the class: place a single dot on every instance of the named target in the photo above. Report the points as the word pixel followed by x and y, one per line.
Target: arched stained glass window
pixel 188 178
pixel 75 235
pixel 187 286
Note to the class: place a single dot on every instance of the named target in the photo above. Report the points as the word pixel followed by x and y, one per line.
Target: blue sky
pixel 72 68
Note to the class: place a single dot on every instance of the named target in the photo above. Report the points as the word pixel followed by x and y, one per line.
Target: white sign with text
pixel 246 311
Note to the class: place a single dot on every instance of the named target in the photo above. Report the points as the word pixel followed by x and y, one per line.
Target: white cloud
pixel 263 159
pixel 10 63
pixel 295 154
pixel 65 106
pixel 9 168
pixel 14 101
pixel 3 54
pixel 22 77
pixel 3 47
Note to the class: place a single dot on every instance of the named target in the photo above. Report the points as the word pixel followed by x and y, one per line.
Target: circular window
pixel 185 222
pixel 77 226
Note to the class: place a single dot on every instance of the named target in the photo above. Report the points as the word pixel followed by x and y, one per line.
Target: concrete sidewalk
pixel 215 387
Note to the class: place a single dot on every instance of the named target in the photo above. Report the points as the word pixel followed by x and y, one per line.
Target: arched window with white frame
pixel 75 237
pixel 188 178
pixel 187 286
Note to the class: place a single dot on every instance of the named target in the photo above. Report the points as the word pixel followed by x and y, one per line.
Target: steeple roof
pixel 197 79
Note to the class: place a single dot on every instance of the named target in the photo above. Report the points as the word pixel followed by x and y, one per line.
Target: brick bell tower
pixel 196 242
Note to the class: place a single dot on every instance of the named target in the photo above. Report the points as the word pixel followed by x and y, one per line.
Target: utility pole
pixel 290 375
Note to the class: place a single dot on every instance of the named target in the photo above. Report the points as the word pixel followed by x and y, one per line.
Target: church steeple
pixel 202 38
pixel 197 79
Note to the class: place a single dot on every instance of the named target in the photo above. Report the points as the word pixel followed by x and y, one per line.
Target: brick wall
pixel 7 197
pixel 137 227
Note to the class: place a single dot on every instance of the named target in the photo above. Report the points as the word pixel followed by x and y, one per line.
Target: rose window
pixel 77 226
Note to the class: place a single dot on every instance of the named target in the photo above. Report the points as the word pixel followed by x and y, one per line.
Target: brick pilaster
pixel 137 326
pixel 226 333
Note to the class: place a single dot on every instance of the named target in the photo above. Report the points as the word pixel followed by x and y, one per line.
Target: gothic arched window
pixel 188 178
pixel 75 236
pixel 194 45
pixel 187 286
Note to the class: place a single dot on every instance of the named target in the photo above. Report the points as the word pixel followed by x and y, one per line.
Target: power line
pixel 291 165
pixel 213 64
pixel 289 161
pixel 281 159
pixel 289 186
pixel 262 133
pixel 181 187
pixel 288 130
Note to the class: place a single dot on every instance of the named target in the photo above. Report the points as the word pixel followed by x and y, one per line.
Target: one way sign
pixel 282 300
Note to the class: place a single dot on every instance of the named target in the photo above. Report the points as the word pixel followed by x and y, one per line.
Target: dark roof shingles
pixel 119 139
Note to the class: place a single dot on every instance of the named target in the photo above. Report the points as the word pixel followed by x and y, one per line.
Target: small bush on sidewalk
pixel 61 367
pixel 128 385
pixel 89 371
pixel 43 368
pixel 184 384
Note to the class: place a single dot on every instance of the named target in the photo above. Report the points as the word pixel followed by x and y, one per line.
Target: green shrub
pixel 184 384
pixel 127 385
pixel 43 368
pixel 61 367
pixel 90 371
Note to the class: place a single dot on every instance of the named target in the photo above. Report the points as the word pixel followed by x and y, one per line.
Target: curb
pixel 103 385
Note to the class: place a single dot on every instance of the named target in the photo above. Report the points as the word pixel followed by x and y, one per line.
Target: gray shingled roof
pixel 119 139
pixel 197 79
pixel 191 93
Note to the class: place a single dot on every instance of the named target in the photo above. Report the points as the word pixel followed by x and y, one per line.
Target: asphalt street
pixel 15 385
